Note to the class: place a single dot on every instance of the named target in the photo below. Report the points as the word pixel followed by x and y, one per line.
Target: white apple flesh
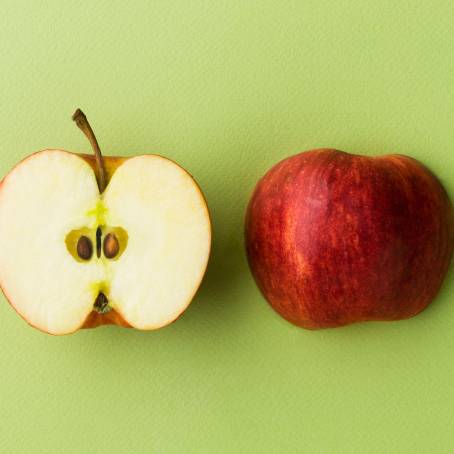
pixel 52 195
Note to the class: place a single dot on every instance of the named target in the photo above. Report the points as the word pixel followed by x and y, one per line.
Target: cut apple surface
pixel 71 256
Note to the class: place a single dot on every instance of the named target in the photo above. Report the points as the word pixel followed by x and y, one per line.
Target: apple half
pixel 87 240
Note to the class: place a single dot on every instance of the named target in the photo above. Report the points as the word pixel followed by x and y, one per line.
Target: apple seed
pixel 98 241
pixel 111 246
pixel 84 248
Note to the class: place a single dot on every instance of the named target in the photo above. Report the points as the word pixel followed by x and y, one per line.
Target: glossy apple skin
pixel 334 238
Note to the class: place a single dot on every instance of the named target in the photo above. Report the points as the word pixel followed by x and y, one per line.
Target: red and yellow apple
pixel 87 240
pixel 334 238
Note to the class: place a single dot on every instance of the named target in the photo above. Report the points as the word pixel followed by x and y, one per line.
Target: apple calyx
pixel 101 304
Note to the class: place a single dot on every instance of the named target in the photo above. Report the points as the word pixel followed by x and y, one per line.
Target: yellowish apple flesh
pixel 163 255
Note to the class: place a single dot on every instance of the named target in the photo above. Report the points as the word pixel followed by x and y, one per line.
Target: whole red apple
pixel 334 238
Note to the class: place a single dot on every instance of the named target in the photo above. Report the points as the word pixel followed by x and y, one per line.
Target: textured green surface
pixel 227 89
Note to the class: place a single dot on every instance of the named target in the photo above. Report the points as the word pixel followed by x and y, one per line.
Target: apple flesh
pixel 144 277
pixel 334 238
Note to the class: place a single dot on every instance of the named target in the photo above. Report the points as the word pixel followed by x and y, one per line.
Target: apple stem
pixel 83 124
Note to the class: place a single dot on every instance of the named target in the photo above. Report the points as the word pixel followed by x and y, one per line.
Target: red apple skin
pixel 334 238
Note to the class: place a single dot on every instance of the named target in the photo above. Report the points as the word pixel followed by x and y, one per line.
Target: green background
pixel 227 88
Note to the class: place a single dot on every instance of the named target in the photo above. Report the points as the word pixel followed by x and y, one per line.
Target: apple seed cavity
pixel 111 246
pixel 84 248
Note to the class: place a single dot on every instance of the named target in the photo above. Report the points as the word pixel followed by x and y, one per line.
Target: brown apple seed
pixel 111 246
pixel 98 241
pixel 84 248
